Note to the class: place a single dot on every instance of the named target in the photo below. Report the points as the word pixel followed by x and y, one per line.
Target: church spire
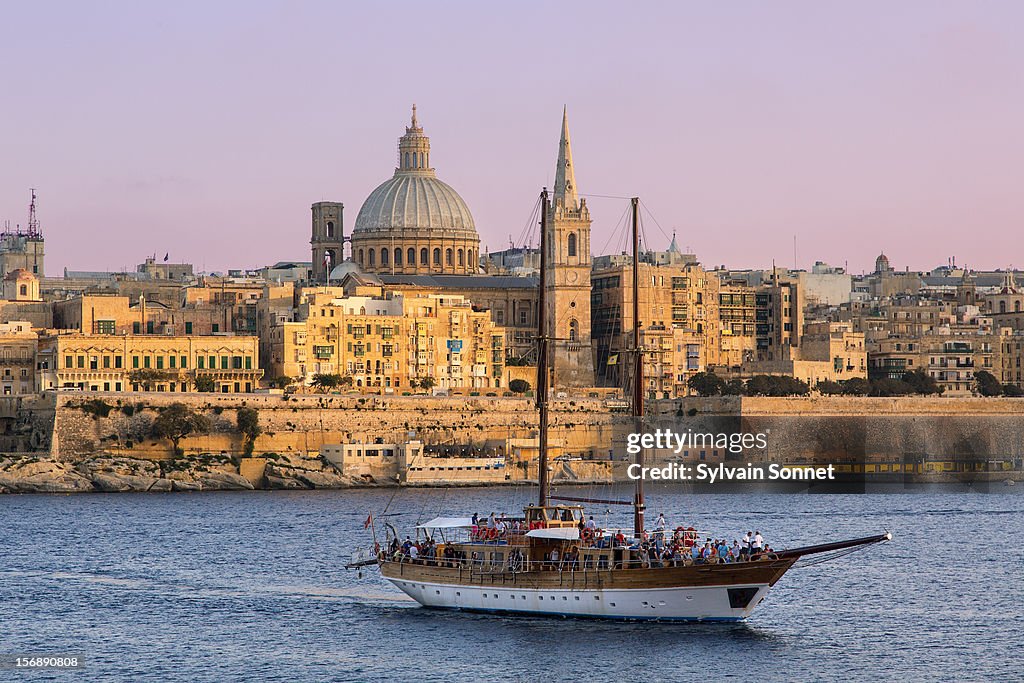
pixel 565 177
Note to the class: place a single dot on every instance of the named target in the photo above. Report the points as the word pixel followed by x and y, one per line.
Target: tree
pixel 427 383
pixel 827 387
pixel 705 384
pixel 248 420
pixel 147 377
pixel 856 386
pixel 922 383
pixel 776 385
pixel 324 381
pixel 519 386
pixel 987 384
pixel 733 387
pixel 890 387
pixel 205 384
pixel 280 382
pixel 346 381
pixel 1012 391
pixel 177 421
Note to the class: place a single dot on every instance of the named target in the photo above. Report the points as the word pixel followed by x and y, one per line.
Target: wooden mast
pixel 542 357
pixel 638 374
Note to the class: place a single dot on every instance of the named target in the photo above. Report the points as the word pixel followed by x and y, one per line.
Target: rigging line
pixel 616 230
pixel 654 218
pixel 531 224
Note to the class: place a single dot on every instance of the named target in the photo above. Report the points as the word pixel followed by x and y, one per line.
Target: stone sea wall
pixel 80 442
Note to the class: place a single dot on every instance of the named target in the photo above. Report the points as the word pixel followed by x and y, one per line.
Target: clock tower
pixel 568 287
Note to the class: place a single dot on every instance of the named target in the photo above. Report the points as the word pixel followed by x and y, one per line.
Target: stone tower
pixel 328 239
pixel 568 289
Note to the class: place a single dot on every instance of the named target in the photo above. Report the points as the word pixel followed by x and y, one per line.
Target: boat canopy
pixel 447 523
pixel 571 533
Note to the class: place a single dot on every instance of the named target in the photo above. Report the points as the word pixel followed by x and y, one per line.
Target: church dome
pixel 415 201
pixel 414 223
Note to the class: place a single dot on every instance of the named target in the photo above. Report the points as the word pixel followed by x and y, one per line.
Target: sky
pixel 206 129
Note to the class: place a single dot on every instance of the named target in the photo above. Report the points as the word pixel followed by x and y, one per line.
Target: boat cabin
pixel 553 516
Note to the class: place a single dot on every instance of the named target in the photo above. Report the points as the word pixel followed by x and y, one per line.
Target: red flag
pixel 369 519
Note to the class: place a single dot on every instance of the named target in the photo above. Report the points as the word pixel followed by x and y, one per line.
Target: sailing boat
pixel 548 562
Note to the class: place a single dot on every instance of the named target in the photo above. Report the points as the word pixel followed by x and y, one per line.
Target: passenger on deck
pixel 554 559
pixel 591 524
pixel 757 543
pixel 745 549
pixel 735 550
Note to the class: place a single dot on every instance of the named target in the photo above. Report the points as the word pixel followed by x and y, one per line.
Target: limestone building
pixel 23 248
pixel 414 223
pixel 385 340
pixel 18 347
pixel 328 240
pixel 567 294
pixel 126 362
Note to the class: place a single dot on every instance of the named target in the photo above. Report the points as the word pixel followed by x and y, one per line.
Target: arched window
pixel 448 257
pixel 384 255
pixel 462 258
pixel 330 228
pixel 373 260
pixel 421 159
pixel 361 257
pixel 574 330
pixel 1002 307
pixel 469 259
pixel 1016 306
pixel 423 257
pixel 572 244
pixel 24 290
pixel 398 257
pixel 410 257
pixel 407 160
pixel 437 256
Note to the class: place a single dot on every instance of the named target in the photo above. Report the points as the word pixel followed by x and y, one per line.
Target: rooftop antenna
pixel 33 221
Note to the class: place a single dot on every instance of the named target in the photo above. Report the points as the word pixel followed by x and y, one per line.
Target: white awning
pixel 571 533
pixel 447 523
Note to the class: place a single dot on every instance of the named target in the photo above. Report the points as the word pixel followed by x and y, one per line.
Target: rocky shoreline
pixel 116 474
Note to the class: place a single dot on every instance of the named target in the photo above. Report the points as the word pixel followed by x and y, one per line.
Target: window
pixel 200 362
pixel 361 257
pixel 69 362
pixel 572 244
pixel 149 327
pixel 145 361
pixel 81 362
pixel 94 363
pixel 410 256
pixel 216 327
pixel 330 228
pixel 213 363
pixel 384 253
pixel 184 362
pixel 448 257
pixel 398 257
pixel 224 363
pixel 135 362
pixel 106 362
pixel 188 327
pixel 437 256
pixel 23 290
pixel 423 256
pixel 574 330
pixel 248 362
pixel 105 326
pixel 462 258
pixel 159 362
pixel 136 328
pixel 172 361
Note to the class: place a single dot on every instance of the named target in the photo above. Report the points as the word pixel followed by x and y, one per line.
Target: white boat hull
pixel 702 603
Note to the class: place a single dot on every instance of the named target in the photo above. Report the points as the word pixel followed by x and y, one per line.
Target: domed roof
pixel 414 201
pixel 343 269
pixel 414 198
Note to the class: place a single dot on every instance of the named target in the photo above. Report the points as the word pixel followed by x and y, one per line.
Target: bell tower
pixel 328 239
pixel 568 289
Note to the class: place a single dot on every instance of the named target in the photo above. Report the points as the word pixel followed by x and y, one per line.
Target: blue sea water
pixel 251 586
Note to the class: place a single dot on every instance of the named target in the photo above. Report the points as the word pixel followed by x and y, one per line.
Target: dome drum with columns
pixel 414 223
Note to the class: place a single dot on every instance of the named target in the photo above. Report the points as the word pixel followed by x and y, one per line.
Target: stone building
pixel 127 362
pixel 328 239
pixel 23 248
pixel 414 223
pixel 567 294
pixel 21 285
pixel 384 340
pixel 18 347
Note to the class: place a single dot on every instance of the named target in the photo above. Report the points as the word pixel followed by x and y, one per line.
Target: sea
pixel 251 586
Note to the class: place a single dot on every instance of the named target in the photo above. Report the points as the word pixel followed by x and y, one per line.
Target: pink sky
pixel 207 129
